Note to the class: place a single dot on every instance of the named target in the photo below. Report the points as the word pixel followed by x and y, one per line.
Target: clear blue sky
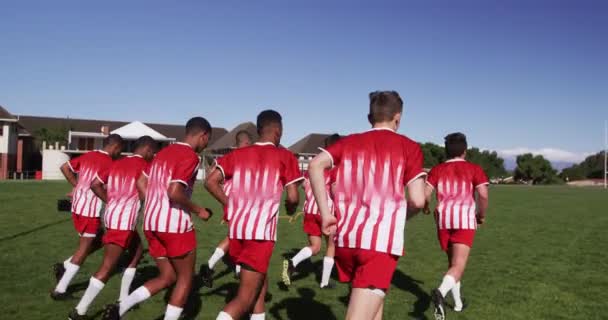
pixel 519 75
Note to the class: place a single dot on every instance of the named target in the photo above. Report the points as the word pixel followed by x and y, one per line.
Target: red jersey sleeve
pixel 102 175
pixel 433 178
pixel 413 164
pixel 226 165
pixel 74 164
pixel 185 169
pixel 335 151
pixel 291 169
pixel 480 177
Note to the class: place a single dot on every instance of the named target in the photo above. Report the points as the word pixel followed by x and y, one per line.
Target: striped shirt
pixel 175 163
pixel 455 182
pixel 258 175
pixel 372 169
pixel 123 204
pixel 84 201
pixel 310 204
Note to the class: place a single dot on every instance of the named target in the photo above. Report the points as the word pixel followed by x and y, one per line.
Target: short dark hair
pixel 113 139
pixel 268 117
pixel 240 133
pixel 197 125
pixel 383 106
pixel 455 144
pixel 144 141
pixel 331 139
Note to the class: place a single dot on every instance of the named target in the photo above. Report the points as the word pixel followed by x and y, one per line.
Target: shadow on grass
pixel 406 283
pixel 303 307
pixel 42 227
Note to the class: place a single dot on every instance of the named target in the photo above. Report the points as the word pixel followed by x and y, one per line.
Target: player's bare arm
pixel 214 186
pixel 69 174
pixel 482 203
pixel 99 190
pixel 292 199
pixel 316 171
pixel 177 194
pixel 142 186
pixel 416 196
pixel 428 193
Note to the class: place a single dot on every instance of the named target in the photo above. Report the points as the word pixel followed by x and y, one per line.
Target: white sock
pixel 223 316
pixel 456 296
pixel 125 283
pixel 66 261
pixel 134 298
pixel 70 271
pixel 217 256
pixel 92 291
pixel 304 254
pixel 173 312
pixel 328 264
pixel 447 284
pixel 258 316
pixel 237 269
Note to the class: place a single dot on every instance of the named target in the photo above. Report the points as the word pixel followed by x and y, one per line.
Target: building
pixel 227 142
pixel 308 147
pixel 8 143
pixel 32 144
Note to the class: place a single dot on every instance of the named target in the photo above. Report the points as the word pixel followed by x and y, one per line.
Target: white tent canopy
pixel 137 129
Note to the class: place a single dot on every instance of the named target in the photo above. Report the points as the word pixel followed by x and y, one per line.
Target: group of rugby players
pixel 355 198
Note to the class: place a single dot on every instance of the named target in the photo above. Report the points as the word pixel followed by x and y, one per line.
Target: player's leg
pixel 250 285
pixel 165 278
pixel 289 266
pixel 87 243
pixel 365 304
pixel 112 253
pixel 206 271
pixel 379 313
pixel 184 269
pixel 459 255
pixel 259 310
pixel 328 263
pixel 136 251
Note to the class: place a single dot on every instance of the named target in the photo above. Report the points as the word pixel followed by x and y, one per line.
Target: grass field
pixel 541 255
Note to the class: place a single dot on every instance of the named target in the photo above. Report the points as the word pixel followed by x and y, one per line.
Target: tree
pixel 51 135
pixel 492 164
pixel 433 154
pixel 591 168
pixel 535 169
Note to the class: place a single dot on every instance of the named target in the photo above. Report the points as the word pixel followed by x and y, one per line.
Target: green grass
pixel 541 255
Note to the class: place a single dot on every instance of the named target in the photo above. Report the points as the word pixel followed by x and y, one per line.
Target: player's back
pixel 175 163
pixel 123 198
pixel 455 181
pixel 257 175
pixel 84 201
pixel 310 203
pixel 373 169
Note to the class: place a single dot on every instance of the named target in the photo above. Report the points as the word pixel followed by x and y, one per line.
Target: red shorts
pixel 170 245
pixel 312 224
pixel 253 254
pixel 447 237
pixel 86 225
pixel 364 268
pixel 121 238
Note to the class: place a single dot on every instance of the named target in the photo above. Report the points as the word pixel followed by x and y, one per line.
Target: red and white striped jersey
pixel 373 169
pixel 227 189
pixel 84 201
pixel 455 182
pixel 123 204
pixel 175 163
pixel 310 204
pixel 258 174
